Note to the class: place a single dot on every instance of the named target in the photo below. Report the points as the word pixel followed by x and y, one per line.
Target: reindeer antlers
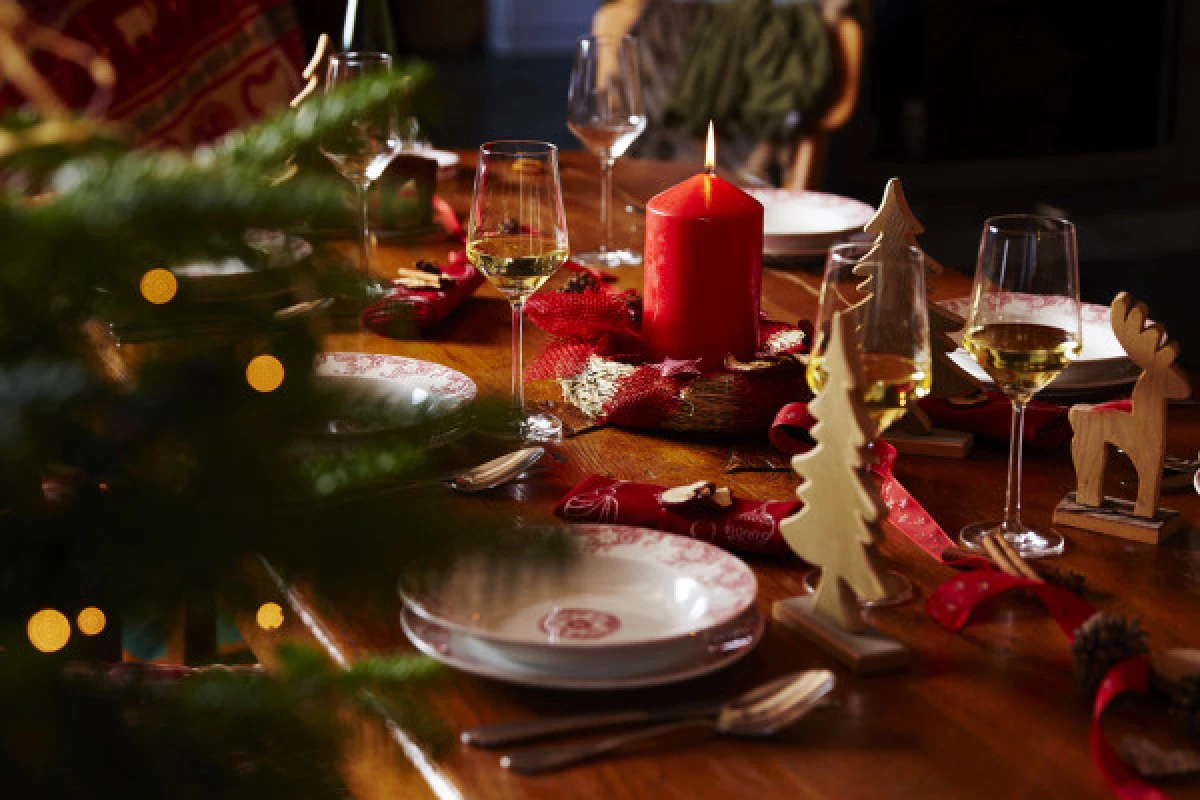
pixel 1145 344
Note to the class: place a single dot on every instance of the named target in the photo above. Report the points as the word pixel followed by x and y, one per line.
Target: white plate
pixel 489 660
pixel 799 222
pixel 1102 362
pixel 414 390
pixel 627 587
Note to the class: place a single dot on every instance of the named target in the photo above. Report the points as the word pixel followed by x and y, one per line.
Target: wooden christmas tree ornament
pixel 1140 432
pixel 838 527
pixel 896 230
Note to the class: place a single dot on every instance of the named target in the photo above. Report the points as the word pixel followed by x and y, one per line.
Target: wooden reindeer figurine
pixel 1140 432
pixel 838 527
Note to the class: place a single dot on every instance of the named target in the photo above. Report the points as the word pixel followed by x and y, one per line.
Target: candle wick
pixel 709 169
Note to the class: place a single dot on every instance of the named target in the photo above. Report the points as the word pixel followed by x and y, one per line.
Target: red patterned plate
pixel 628 588
pixel 721 648
pixel 415 390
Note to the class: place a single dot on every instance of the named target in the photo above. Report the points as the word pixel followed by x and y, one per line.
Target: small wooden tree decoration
pixel 896 230
pixel 1140 432
pixel 838 527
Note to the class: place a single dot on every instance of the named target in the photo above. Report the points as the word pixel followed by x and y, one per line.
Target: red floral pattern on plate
pixel 579 623
pixel 449 385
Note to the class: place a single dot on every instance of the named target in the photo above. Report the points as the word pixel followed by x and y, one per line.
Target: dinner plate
pixel 491 660
pixel 413 391
pixel 446 159
pixel 626 588
pixel 1102 362
pixel 806 223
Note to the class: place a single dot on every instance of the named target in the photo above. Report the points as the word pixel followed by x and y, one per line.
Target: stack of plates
pixel 636 608
pixel 804 224
pixel 1102 363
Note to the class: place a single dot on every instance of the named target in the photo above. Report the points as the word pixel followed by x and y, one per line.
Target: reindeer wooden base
pixel 1141 432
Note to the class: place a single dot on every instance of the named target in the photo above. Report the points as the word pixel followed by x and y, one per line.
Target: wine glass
pixel 887 304
pixel 517 237
pixel 604 111
pixel 1023 328
pixel 362 149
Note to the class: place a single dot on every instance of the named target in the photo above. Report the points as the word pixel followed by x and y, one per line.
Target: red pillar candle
pixel 703 259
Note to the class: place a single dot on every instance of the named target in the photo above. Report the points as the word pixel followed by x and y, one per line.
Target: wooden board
pixel 864 652
pixel 1116 518
pixel 938 442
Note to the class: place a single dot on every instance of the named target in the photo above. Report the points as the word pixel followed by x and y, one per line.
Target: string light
pixel 159 286
pixel 264 373
pixel 269 616
pixel 48 630
pixel 91 621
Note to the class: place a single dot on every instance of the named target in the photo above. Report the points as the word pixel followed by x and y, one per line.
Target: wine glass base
pixel 607 258
pixel 897 589
pixel 542 427
pixel 1028 542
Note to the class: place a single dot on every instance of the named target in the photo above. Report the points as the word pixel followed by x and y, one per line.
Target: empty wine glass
pixel 1023 328
pixel 604 111
pixel 886 301
pixel 362 149
pixel 517 237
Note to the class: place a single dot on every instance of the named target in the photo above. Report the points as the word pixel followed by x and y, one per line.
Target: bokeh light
pixel 264 373
pixel 91 621
pixel 159 286
pixel 49 630
pixel 269 616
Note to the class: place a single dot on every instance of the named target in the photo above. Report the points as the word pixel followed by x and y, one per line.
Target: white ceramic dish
pixel 489 660
pixel 413 390
pixel 446 159
pixel 628 587
pixel 806 223
pixel 1102 362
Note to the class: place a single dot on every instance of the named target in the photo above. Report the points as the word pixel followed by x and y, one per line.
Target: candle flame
pixel 710 150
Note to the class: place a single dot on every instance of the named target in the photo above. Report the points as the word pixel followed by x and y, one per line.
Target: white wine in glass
pixel 517 237
pixel 1023 328
pixel 888 306
pixel 604 111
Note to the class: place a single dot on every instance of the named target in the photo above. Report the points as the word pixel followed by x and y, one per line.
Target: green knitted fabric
pixel 748 64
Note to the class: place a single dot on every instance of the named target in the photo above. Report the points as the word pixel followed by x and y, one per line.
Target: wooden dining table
pixel 992 711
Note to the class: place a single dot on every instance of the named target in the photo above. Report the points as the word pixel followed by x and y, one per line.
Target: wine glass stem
pixel 365 238
pixel 518 385
pixel 1012 495
pixel 606 166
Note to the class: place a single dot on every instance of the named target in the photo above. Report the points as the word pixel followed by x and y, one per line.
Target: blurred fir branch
pixel 149 492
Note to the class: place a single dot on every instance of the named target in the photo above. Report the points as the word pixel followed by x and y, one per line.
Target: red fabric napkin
pixel 1046 425
pixel 751 526
pixel 393 314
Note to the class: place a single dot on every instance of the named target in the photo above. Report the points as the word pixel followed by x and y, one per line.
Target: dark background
pixel 1086 109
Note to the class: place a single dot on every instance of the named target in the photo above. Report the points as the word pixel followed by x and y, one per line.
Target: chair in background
pixel 796 163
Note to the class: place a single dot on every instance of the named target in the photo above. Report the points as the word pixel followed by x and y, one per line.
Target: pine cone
pixel 1102 642
pixel 581 282
pixel 1185 704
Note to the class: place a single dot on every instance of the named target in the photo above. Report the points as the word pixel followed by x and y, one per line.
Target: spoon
pixel 760 712
pixel 491 474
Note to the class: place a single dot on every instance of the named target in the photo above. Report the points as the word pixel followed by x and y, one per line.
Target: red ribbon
pixel 951 605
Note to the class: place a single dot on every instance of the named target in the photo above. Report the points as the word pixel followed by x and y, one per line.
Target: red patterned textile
pixel 601 323
pixel 394 313
pixel 751 526
pixel 188 71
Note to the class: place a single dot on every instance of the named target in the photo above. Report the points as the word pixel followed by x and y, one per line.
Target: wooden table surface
pixel 990 712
